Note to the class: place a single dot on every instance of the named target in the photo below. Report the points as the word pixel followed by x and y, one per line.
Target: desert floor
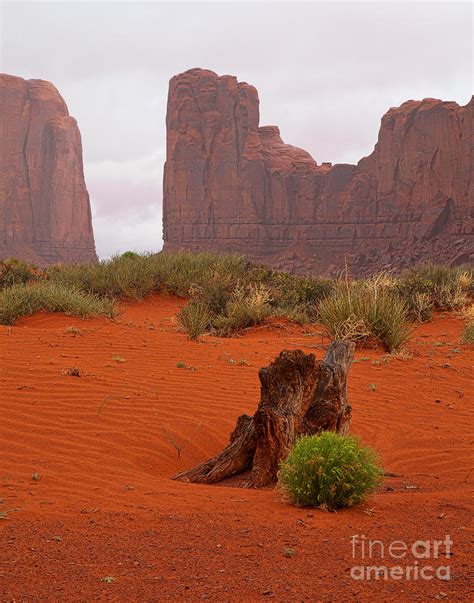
pixel 89 512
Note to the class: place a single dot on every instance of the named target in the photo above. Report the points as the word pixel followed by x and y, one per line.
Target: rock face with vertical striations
pixel 230 185
pixel 45 214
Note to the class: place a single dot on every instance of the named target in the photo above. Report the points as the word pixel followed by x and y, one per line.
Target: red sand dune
pixel 102 446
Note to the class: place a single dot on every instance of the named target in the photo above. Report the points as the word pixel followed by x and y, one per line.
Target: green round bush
pixel 330 471
pixel 130 255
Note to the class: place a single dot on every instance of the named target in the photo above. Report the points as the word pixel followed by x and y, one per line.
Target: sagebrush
pixel 330 471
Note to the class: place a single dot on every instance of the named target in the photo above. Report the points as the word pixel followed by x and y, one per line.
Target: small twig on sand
pixel 104 403
pixel 172 440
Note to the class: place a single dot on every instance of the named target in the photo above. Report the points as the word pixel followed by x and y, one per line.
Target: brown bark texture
pixel 299 396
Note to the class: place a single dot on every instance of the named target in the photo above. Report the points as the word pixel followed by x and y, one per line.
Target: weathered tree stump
pixel 299 396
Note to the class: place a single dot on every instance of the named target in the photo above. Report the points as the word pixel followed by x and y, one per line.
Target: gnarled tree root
pixel 299 396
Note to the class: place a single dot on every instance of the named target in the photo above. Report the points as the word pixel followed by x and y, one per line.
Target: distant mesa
pixel 45 215
pixel 230 185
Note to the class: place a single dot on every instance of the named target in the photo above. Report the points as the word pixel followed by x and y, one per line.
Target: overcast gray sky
pixel 325 72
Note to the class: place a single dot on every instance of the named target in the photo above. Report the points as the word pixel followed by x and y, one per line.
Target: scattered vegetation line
pixel 228 294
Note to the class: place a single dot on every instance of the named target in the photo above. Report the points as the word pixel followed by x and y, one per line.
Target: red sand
pixel 102 446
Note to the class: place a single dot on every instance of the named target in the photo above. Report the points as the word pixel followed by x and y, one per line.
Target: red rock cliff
pixel 230 185
pixel 45 214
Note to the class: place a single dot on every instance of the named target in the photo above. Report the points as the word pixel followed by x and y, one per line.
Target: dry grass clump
pixel 295 297
pixel 15 272
pixel 194 319
pixel 468 332
pixel 137 275
pixel 421 306
pixel 435 286
pixel 24 300
pixel 300 315
pixel 129 275
pixel 247 307
pixel 452 296
pixel 184 272
pixel 359 310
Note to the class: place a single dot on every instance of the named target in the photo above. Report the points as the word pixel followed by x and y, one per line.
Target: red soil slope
pixel 102 448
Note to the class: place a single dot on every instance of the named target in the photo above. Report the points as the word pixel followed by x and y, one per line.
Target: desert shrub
pixel 295 297
pixel 194 319
pixel 24 299
pixel 301 315
pixel 420 306
pixel 292 290
pixel 329 471
pixel 214 291
pixel 137 275
pixel 15 272
pixel 451 296
pixel 182 271
pixel 129 275
pixel 248 306
pixel 447 288
pixel 468 331
pixel 380 281
pixel 440 274
pixel 134 275
pixel 417 294
pixel 131 255
pixel 360 310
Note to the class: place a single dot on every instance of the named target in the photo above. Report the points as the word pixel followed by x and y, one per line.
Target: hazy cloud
pixel 325 71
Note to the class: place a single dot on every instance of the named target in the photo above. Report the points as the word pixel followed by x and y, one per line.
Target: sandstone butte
pixel 230 185
pixel 45 214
